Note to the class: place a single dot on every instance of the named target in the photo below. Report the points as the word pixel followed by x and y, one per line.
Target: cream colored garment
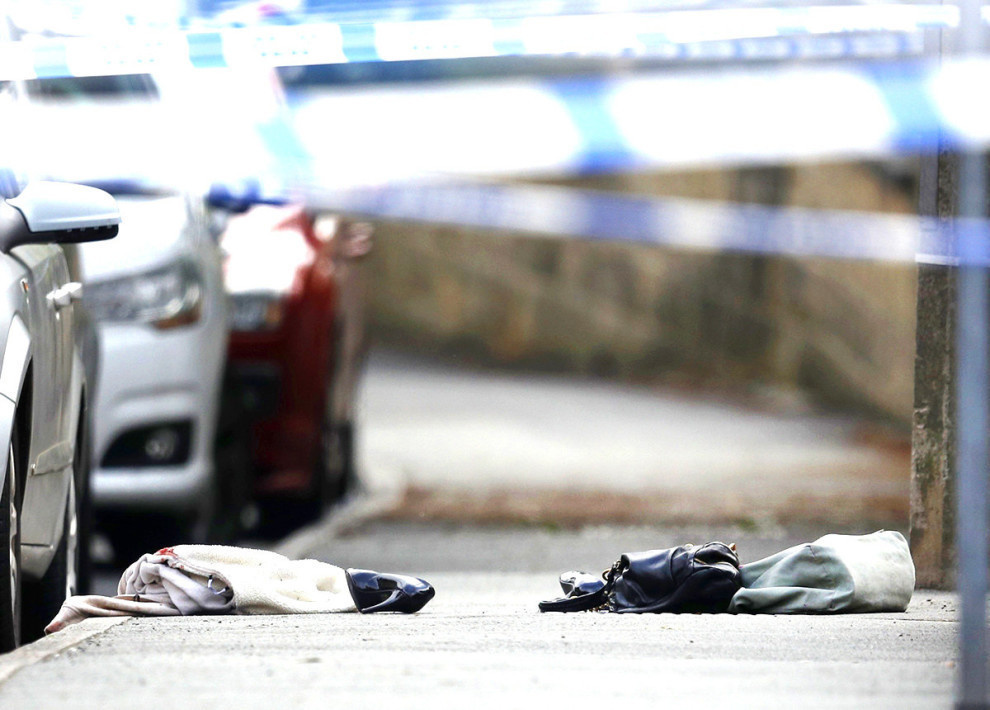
pixel 214 579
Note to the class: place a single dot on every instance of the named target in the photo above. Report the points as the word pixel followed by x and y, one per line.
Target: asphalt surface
pixel 508 446
pixel 453 426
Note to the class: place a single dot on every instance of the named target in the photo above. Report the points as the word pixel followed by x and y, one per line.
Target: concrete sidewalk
pixel 470 445
pixel 441 445
pixel 482 642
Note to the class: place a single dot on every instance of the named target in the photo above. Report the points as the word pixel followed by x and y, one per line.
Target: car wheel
pixel 336 461
pixel 222 519
pixel 10 563
pixel 133 533
pixel 233 481
pixel 43 599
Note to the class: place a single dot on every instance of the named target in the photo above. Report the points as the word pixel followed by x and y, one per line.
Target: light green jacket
pixel 833 574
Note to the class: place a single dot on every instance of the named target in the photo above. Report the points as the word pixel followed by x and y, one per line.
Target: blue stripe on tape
pixel 886 30
pixel 49 60
pixel 637 221
pixel 507 39
pixel 918 123
pixel 586 214
pixel 206 50
pixel 605 148
pixel 359 42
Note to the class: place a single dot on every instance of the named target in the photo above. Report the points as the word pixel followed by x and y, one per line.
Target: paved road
pixel 515 446
pixel 483 643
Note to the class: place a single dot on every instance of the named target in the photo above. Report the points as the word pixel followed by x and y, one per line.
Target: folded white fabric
pixel 833 574
pixel 214 579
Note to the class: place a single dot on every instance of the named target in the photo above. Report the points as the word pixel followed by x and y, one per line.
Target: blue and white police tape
pixel 564 127
pixel 678 223
pixel 650 121
pixel 642 121
pixel 885 30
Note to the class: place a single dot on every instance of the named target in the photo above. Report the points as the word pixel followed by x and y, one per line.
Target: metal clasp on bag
pixel 609 576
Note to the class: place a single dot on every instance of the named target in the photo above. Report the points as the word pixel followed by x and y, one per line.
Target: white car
pixel 156 294
pixel 43 390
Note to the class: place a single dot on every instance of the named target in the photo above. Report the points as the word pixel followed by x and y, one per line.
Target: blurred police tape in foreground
pixel 670 222
pixel 643 121
pixel 220 126
pixel 380 151
pixel 129 43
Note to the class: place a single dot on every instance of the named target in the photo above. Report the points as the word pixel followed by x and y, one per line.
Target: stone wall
pixel 842 331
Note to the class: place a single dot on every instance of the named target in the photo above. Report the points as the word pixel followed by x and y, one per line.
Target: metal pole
pixel 973 414
pixel 971 491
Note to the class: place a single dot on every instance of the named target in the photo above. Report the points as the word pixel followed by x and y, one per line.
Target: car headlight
pixel 256 310
pixel 165 297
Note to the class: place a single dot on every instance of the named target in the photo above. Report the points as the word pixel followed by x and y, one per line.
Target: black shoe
pixel 374 591
pixel 582 592
pixel 577 584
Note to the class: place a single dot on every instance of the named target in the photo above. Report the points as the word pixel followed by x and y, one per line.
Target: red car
pixel 295 295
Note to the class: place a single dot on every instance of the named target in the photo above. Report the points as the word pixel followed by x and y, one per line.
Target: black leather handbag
pixel 685 579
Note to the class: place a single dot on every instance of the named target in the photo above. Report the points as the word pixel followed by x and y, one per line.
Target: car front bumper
pixel 149 378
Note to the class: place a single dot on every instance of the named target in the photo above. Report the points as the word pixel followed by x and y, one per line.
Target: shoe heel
pixel 393 600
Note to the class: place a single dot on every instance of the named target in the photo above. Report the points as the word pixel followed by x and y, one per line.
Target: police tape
pixel 550 211
pixel 847 31
pixel 389 140
pixel 643 121
pixel 563 212
pixel 563 127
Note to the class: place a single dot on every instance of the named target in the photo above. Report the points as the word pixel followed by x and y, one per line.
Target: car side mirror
pixel 63 213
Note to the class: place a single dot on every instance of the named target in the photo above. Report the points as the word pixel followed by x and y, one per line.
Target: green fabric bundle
pixel 834 574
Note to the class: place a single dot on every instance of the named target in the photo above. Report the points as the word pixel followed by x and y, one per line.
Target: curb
pixel 49 646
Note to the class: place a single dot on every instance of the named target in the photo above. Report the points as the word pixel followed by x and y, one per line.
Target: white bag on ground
pixel 214 579
pixel 833 574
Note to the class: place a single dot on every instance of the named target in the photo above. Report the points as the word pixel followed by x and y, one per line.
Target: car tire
pixel 329 482
pixel 333 470
pixel 223 519
pixel 336 461
pixel 10 562
pixel 233 480
pixel 43 599
pixel 84 498
pixel 136 532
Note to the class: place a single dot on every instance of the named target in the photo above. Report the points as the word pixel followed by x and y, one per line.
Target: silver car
pixel 156 296
pixel 43 390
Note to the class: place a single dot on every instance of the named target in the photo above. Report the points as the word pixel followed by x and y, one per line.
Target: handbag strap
pixel 587 602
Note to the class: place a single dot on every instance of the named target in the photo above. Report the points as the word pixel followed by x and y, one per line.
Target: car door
pixel 50 447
